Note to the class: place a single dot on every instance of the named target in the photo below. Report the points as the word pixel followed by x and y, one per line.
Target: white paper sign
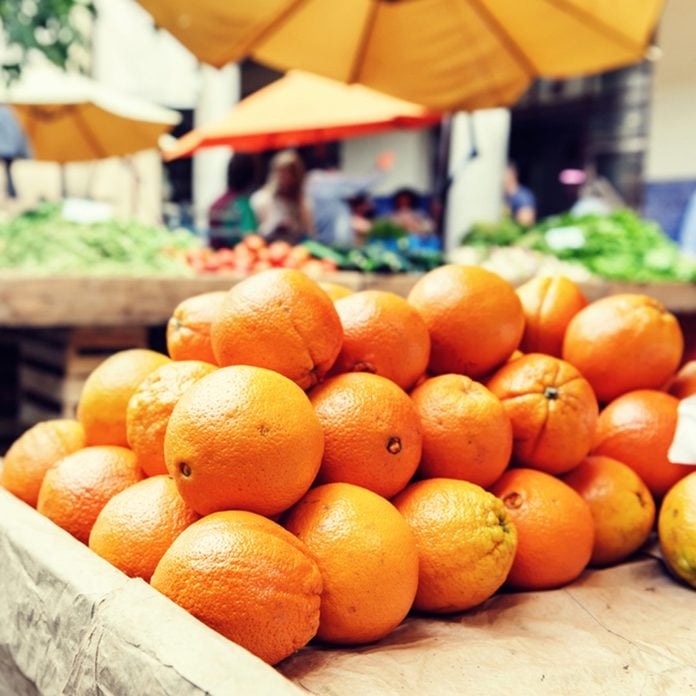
pixel 683 449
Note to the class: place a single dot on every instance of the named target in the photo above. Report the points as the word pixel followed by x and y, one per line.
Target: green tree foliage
pixel 59 29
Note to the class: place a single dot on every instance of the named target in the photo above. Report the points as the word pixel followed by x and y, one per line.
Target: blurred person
pixel 362 213
pixel 281 207
pixel 519 200
pixel 329 190
pixel 231 215
pixel 408 213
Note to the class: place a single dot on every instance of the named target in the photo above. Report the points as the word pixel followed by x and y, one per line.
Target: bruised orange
pixel 247 578
pixel 474 318
pixel 280 320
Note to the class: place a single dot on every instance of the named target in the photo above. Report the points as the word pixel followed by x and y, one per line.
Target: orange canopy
pixel 446 54
pixel 301 109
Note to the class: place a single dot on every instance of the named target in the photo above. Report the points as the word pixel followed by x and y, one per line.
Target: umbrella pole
pixel 63 180
pixel 442 173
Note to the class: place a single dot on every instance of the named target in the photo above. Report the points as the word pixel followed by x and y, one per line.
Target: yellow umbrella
pixel 300 109
pixel 70 118
pixel 444 54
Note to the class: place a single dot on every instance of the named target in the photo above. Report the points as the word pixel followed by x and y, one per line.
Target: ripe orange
pixel 467 433
pixel 104 399
pixel 549 303
pixel 77 487
pixel 188 329
pixel 35 452
pixel 139 524
pixel 466 542
pixel 624 342
pixel 151 406
pixel 552 408
pixel 474 318
pixel 367 557
pixel 638 429
pixel 335 290
pixel 677 529
pixel 247 578
pixel 281 320
pixel 555 531
pixel 683 384
pixel 372 435
pixel 622 507
pixel 382 334
pixel 243 438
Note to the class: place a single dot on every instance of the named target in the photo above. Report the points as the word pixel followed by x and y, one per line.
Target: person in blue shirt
pixel 519 200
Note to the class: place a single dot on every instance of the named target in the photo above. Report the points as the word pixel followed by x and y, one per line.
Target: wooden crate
pixel 54 364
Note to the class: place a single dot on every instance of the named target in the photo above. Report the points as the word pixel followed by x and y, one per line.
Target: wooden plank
pixel 61 389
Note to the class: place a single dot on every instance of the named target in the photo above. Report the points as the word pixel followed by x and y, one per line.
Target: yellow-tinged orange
pixel 107 391
pixel 677 529
pixel 136 527
pixel 466 542
pixel 247 578
pixel 151 406
pixel 34 452
pixel 77 487
pixel 552 408
pixel 555 530
pixel 335 290
pixel 367 557
pixel 467 433
pixel 622 507
pixel 474 318
pixel 372 434
pixel 243 438
pixel 188 329
pixel 282 320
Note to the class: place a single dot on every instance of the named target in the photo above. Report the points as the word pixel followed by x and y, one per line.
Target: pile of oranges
pixel 311 463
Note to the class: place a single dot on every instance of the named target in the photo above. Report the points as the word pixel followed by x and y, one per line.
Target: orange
pixel 467 433
pixel 552 408
pixel 683 384
pixel 638 429
pixel 77 487
pixel 247 578
pixel 188 329
pixel 151 406
pixel 622 508
pixel 139 524
pixel 624 342
pixel 372 435
pixel 382 334
pixel 555 531
pixel 474 318
pixel 549 303
pixel 243 438
pixel 367 557
pixel 466 542
pixel 35 452
pixel 281 320
pixel 335 290
pixel 105 395
pixel 677 529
